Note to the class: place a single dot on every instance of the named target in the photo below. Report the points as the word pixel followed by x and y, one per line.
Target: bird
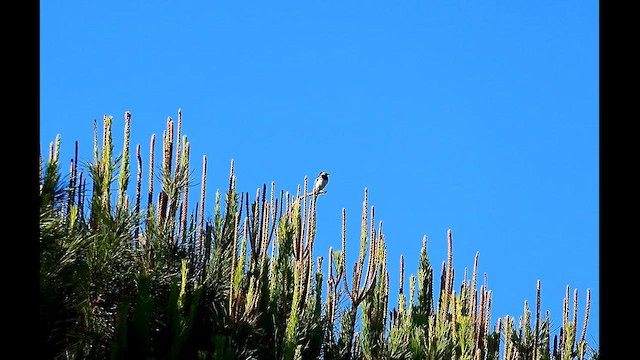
pixel 320 182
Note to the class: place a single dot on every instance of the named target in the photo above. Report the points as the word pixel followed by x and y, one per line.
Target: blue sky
pixel 479 117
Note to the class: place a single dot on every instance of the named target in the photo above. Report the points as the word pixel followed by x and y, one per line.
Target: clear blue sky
pixel 479 117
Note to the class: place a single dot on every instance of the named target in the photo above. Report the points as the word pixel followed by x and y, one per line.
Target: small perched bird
pixel 320 182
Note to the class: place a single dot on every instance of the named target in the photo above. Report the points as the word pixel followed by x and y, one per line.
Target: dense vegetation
pixel 150 278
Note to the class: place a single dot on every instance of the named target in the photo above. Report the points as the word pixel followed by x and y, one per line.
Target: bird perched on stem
pixel 320 182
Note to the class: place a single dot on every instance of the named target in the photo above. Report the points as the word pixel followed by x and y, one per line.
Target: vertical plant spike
pixel 73 172
pixel 443 276
pixel 401 283
pixel 465 277
pixel 273 203
pixel 425 289
pixel 304 212
pixel 50 153
pixel 454 318
pixel 537 324
pixel 343 247
pixel 178 144
pixel 306 260
pixel 123 179
pixel 483 316
pixel 202 197
pixel 363 243
pixel 385 297
pixel 507 338
pixel 160 203
pixel 586 317
pixel 152 144
pixel 544 350
pixel 401 297
pixel 105 126
pixel 565 320
pixel 565 315
pixel 82 189
pixel 138 195
pixel 234 261
pixel 319 264
pixel 474 294
pixel 185 193
pixel 164 174
pixel 40 178
pixel 487 321
pixel 283 205
pixel 376 245
pixel 168 147
pixel 298 190
pixel 95 142
pixel 575 315
pixel 449 276
pixel 309 267
pixel 526 328
pixel 311 229
pixel 484 312
pixel 272 271
pixel 363 251
pixel 254 229
pixel 479 319
pixel 149 218
pixel 330 278
pixel 69 202
pixel 56 151
pixel 107 148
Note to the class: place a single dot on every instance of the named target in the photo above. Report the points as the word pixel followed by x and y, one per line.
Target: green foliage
pixel 164 283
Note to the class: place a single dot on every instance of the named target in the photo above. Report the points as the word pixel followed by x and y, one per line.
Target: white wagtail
pixel 320 182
